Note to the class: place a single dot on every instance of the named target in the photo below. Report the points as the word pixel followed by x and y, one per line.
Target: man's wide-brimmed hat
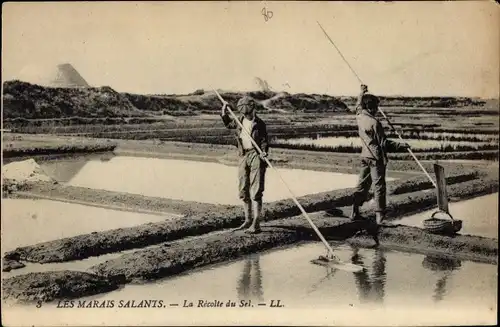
pixel 246 104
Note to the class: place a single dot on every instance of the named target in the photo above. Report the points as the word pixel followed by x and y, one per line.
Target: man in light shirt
pixel 374 148
pixel 252 167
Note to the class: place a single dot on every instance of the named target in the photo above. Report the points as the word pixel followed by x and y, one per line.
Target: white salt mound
pixel 24 171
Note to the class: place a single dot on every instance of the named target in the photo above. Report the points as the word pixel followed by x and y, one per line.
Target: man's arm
pixel 264 143
pixel 385 143
pixel 364 90
pixel 227 119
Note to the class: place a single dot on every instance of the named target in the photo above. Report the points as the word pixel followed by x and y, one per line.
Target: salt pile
pixel 23 172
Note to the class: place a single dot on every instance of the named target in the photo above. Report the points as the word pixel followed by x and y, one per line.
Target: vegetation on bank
pixel 357 149
pixel 23 150
pixel 16 145
pixel 467 155
pixel 25 100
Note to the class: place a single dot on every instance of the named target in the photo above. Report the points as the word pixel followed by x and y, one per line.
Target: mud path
pixel 48 286
pixel 127 201
pixel 286 158
pixel 94 244
pixel 174 257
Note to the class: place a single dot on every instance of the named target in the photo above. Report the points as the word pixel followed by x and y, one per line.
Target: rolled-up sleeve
pixel 228 121
pixel 387 145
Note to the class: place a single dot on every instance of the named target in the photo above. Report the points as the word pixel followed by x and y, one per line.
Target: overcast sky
pixel 407 48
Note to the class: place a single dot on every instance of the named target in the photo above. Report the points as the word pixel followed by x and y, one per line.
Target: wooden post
pixel 442 194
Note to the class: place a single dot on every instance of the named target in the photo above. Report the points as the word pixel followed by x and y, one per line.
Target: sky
pixel 405 48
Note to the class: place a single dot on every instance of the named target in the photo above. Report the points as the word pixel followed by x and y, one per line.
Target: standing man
pixel 374 148
pixel 252 167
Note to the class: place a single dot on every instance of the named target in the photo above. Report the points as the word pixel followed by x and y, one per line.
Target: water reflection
pixel 444 268
pixel 330 273
pixel 65 168
pixel 250 282
pixel 370 281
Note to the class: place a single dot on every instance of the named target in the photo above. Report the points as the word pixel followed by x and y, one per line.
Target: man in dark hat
pixel 252 167
pixel 374 148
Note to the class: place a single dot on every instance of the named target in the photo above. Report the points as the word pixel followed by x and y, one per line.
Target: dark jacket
pixel 374 143
pixel 259 132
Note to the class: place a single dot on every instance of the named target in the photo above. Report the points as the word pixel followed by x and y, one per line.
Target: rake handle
pixel 409 150
pixel 340 53
pixel 390 124
pixel 304 213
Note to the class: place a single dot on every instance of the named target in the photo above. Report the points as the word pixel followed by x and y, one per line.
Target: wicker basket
pixel 442 226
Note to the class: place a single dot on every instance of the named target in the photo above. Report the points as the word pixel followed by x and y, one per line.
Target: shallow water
pixel 390 278
pixel 390 281
pixel 479 216
pixel 187 180
pixel 26 221
pixel 393 289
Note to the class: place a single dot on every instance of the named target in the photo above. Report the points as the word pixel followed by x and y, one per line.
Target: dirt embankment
pixel 50 149
pixel 83 246
pixel 31 101
pixel 291 158
pixel 16 146
pixel 117 199
pixel 170 258
pixel 465 247
pixel 8 265
pixel 52 285
pixel 175 257
pixel 24 100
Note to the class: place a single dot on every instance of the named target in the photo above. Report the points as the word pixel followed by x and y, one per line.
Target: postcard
pixel 250 163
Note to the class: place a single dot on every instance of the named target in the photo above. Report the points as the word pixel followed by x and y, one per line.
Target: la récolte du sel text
pixel 220 304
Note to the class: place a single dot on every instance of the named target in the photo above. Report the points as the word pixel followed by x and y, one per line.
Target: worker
pixel 252 167
pixel 374 148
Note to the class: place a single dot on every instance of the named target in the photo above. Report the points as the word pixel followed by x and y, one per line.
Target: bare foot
pixel 245 225
pixel 253 230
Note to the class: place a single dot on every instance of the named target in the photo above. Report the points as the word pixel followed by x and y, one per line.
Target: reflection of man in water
pixel 444 267
pixel 250 283
pixel 370 285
